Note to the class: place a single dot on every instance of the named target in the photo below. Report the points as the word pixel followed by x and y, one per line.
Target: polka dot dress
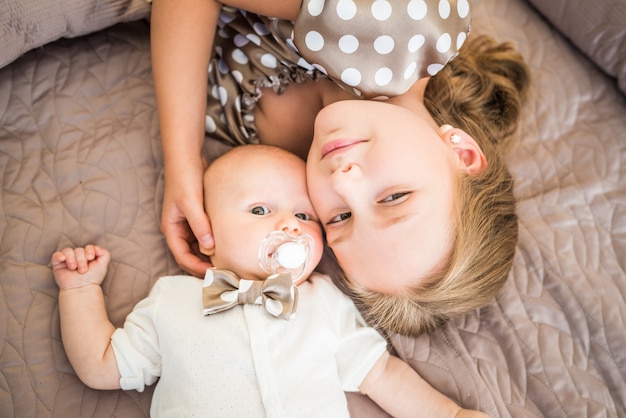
pixel 251 52
pixel 381 47
pixel 370 47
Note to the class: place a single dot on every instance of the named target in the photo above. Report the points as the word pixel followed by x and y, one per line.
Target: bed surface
pixel 80 162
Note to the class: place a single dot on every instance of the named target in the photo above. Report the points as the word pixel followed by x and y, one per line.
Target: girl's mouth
pixel 338 144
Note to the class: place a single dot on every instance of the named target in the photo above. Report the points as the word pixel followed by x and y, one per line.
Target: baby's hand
pixel 80 267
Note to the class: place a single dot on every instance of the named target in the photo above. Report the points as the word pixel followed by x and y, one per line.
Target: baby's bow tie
pixel 223 290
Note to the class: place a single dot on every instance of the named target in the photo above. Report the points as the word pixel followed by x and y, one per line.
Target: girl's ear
pixel 467 149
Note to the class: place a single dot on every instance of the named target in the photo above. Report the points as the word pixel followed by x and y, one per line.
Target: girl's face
pixel 381 180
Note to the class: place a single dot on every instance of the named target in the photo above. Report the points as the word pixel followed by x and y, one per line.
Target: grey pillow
pixel 28 24
pixel 596 27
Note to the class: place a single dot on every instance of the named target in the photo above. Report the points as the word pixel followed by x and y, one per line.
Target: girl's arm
pixel 182 33
pixel 400 391
pixel 85 328
pixel 282 9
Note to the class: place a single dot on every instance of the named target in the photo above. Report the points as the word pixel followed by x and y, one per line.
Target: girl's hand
pixel 80 267
pixel 184 223
pixel 181 42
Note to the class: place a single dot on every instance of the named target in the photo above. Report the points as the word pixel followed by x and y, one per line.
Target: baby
pixel 262 335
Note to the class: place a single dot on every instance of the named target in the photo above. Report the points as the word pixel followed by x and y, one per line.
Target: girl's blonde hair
pixel 480 91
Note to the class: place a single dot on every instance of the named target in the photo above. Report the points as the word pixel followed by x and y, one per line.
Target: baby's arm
pixel 400 391
pixel 85 328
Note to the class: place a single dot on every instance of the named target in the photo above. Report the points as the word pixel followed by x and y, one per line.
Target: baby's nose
pixel 290 225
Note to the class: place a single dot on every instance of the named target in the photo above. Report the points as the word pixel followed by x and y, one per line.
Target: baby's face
pixel 250 194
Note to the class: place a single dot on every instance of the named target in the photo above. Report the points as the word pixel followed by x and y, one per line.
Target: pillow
pixel 596 27
pixel 28 24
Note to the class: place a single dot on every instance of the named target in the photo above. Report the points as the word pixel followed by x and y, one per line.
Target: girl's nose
pixel 346 177
pixel 349 170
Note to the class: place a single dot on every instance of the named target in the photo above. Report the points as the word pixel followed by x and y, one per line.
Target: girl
pixel 411 189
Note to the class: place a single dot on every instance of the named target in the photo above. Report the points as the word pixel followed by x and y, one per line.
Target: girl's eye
pixel 340 217
pixel 303 216
pixel 260 210
pixel 394 196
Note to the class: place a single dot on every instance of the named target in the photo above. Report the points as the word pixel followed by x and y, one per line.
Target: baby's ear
pixel 468 150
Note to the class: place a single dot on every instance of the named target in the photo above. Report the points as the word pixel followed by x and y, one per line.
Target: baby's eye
pixel 340 217
pixel 303 216
pixel 260 210
pixel 393 196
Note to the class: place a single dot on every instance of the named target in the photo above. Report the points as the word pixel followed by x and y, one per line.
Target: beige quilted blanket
pixel 80 161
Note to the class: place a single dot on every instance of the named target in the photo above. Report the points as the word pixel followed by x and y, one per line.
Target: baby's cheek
pixel 318 251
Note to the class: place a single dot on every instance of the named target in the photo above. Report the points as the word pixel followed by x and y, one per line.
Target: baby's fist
pixel 77 267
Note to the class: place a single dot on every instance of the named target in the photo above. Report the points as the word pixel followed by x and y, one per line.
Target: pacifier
pixel 281 252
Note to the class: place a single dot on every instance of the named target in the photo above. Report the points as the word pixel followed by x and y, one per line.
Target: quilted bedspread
pixel 81 162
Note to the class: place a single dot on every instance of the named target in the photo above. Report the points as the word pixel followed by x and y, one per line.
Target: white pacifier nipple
pixel 280 252
pixel 291 255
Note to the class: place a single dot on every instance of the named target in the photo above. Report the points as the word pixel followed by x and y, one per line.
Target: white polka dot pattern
pixel 223 289
pixel 372 48
pixel 381 47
